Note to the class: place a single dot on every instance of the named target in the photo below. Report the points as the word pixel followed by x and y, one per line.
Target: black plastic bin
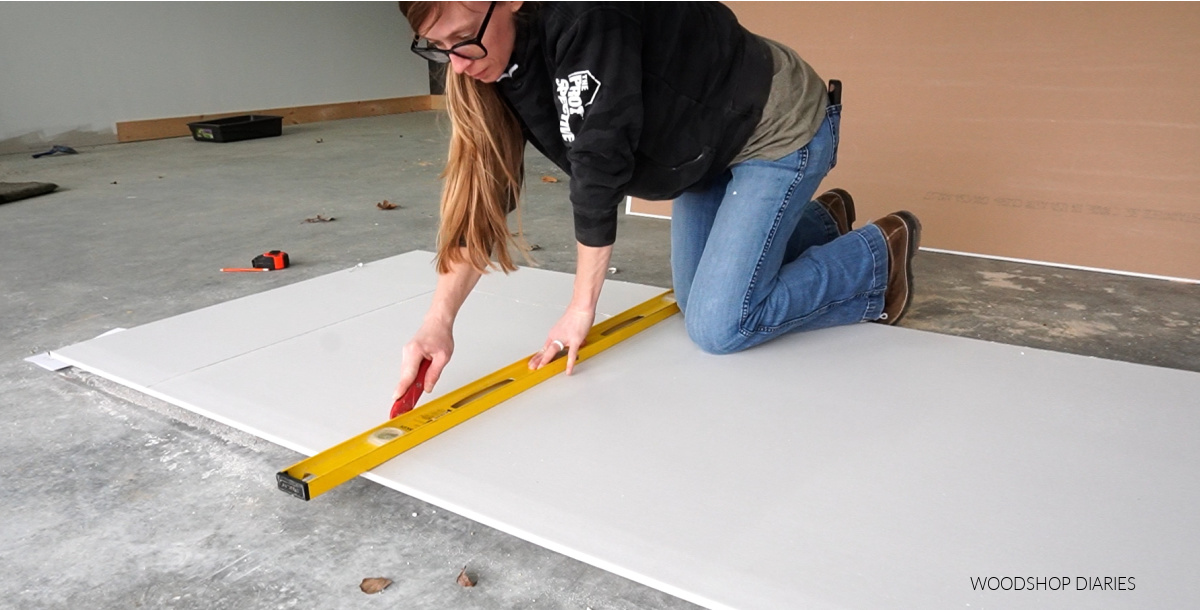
pixel 234 128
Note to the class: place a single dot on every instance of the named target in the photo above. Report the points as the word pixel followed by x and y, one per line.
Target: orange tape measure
pixel 267 261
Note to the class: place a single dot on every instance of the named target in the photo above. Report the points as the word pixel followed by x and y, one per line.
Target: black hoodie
pixel 630 98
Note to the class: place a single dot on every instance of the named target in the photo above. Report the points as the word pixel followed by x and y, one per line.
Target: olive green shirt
pixel 794 110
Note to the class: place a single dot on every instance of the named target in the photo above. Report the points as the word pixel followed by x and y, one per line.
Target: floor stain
pixel 1082 329
pixel 1066 329
pixel 999 279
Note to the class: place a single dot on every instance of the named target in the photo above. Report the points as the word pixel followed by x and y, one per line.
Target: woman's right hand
pixel 433 341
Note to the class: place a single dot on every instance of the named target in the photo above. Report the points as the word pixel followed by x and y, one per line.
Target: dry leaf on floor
pixel 550 179
pixel 464 579
pixel 386 205
pixel 374 585
pixel 320 218
pixel 534 247
pixel 424 163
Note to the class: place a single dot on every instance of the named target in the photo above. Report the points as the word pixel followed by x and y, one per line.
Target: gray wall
pixel 69 71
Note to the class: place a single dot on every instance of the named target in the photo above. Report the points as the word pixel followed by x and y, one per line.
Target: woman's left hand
pixel 567 335
pixel 573 327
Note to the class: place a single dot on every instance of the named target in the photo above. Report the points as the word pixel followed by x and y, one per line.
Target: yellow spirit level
pixel 318 474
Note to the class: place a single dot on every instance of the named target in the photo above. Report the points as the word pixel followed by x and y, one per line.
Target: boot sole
pixel 848 204
pixel 844 212
pixel 914 242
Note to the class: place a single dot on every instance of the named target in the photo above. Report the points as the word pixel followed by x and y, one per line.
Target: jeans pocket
pixel 833 116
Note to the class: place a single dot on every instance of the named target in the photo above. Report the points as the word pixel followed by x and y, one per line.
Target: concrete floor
pixel 117 500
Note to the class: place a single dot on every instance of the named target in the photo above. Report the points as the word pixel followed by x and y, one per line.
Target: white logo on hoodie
pixel 575 93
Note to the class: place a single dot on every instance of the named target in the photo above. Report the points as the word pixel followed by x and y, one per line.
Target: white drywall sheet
pixel 857 467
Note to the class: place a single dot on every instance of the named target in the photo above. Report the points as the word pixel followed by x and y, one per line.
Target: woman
pixel 661 100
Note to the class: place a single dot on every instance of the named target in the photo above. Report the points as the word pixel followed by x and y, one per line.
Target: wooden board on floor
pixel 174 127
pixel 855 467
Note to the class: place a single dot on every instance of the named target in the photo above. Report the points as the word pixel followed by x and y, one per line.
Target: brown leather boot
pixel 902 232
pixel 840 206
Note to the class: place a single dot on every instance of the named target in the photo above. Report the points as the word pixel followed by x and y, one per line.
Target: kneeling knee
pixel 714 337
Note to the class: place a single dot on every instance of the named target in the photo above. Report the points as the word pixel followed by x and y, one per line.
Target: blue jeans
pixel 754 257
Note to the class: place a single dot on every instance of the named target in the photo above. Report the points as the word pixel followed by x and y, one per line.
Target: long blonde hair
pixel 484 172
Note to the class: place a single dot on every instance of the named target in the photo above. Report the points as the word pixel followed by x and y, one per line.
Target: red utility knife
pixel 405 403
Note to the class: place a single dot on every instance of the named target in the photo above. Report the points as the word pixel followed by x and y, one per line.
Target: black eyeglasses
pixel 467 49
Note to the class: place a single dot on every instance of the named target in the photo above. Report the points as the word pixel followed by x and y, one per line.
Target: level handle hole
pixel 624 324
pixel 482 393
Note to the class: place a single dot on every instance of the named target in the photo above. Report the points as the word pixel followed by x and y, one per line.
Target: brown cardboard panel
pixel 1058 132
pixel 649 208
